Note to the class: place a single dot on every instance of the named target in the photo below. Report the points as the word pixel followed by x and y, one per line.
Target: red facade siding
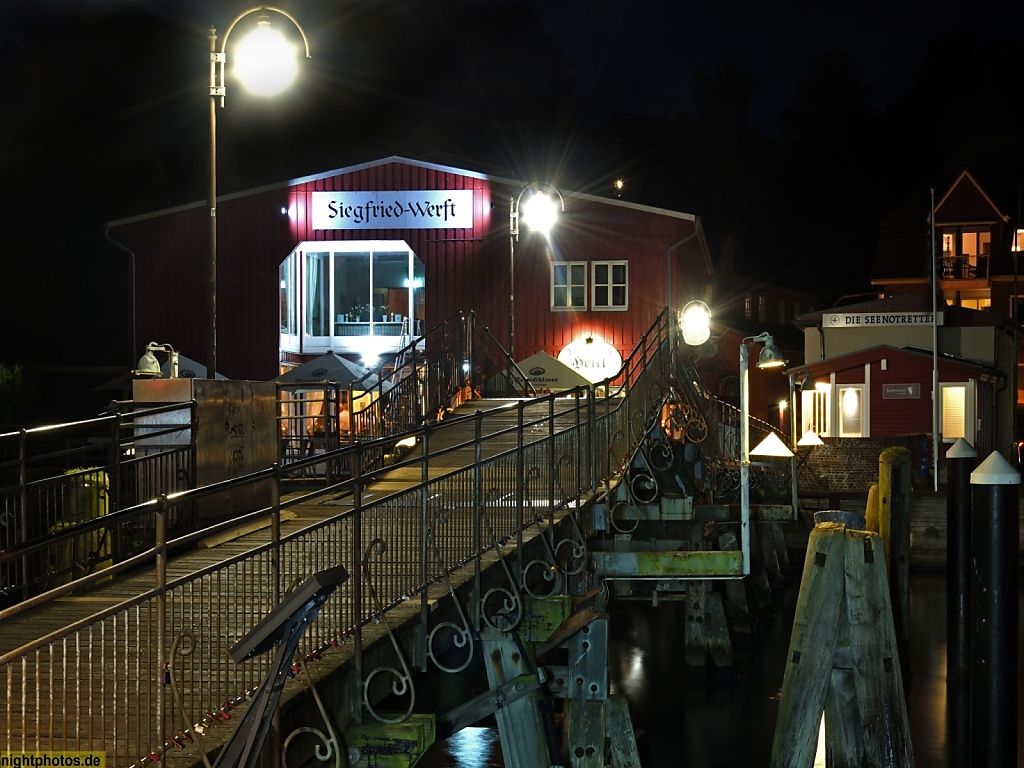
pixel 466 269
pixel 896 417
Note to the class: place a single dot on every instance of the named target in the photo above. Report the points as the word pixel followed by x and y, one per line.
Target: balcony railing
pixel 965 267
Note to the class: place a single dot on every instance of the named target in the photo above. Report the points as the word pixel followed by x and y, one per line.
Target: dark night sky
pixel 105 108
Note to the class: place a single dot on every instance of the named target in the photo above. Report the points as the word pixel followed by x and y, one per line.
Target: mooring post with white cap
pixel 960 460
pixel 995 535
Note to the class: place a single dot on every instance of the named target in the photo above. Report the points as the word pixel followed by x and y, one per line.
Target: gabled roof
pixel 966 201
pixel 861 357
pixel 990 166
pixel 405 161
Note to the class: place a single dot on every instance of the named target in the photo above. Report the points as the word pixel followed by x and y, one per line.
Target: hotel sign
pixel 877 319
pixel 403 209
pixel 593 359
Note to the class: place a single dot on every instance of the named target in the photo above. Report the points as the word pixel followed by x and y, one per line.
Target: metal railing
pixel 61 476
pixel 152 672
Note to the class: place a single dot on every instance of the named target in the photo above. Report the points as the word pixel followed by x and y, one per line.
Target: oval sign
pixel 592 358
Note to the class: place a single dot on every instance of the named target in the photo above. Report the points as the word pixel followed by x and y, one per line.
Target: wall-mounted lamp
pixel 695 323
pixel 149 366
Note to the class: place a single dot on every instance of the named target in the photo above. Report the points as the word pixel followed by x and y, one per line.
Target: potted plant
pixel 361 312
pixel 382 313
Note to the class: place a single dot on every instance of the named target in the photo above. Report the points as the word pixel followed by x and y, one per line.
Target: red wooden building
pixel 355 260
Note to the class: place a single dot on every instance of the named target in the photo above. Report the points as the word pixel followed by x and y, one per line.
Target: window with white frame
pixel 814 406
pixel 957 410
pixel 569 285
pixel 610 289
pixel 851 412
pixel 333 293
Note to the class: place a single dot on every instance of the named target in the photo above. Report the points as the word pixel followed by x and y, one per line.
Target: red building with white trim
pixel 355 259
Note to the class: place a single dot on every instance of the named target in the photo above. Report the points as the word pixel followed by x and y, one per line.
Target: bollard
pixel 995 532
pixel 960 461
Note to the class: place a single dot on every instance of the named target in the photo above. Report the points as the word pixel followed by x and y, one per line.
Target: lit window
pixel 569 285
pixel 851 411
pixel 814 407
pixel 746 307
pixel 954 412
pixel 610 285
pixel 346 289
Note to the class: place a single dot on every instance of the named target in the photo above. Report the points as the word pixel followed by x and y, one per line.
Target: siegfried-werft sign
pixel 400 209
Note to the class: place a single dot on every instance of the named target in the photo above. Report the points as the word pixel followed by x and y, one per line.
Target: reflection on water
pixel 469 748
pixel 720 719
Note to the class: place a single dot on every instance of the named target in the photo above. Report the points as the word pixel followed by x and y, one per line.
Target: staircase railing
pixel 159 656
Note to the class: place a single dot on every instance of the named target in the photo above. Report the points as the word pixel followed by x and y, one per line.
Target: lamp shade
pixel 148 365
pixel 770 356
pixel 771 446
pixel 265 61
pixel 810 438
pixel 695 323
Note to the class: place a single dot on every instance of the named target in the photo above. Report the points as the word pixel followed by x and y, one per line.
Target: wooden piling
pixel 843 659
pixel 894 528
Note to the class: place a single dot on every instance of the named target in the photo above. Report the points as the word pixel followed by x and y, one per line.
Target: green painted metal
pixel 685 564
pixel 542 616
pixel 390 745
pixel 771 512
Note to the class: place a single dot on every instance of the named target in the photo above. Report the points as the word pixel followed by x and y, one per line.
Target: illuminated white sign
pixel 875 319
pixel 403 209
pixel 592 358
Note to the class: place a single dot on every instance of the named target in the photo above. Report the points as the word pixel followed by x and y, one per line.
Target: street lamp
pixel 770 357
pixel 538 204
pixel 266 65
pixel 1015 248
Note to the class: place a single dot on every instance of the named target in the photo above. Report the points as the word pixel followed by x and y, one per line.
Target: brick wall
pixel 850 465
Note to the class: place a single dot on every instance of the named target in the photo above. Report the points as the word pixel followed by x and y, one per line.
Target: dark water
pixel 727 719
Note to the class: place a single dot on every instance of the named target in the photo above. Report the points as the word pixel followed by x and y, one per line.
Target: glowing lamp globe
pixel 265 62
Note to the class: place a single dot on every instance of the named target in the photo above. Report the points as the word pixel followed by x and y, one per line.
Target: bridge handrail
pixel 559 464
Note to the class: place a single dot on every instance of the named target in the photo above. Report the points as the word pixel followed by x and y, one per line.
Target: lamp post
pixel 1018 243
pixel 266 64
pixel 769 358
pixel 538 211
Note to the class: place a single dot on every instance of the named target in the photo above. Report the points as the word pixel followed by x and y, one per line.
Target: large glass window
pixel 352 287
pixel 610 285
pixel 336 293
pixel 965 252
pixel 569 285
